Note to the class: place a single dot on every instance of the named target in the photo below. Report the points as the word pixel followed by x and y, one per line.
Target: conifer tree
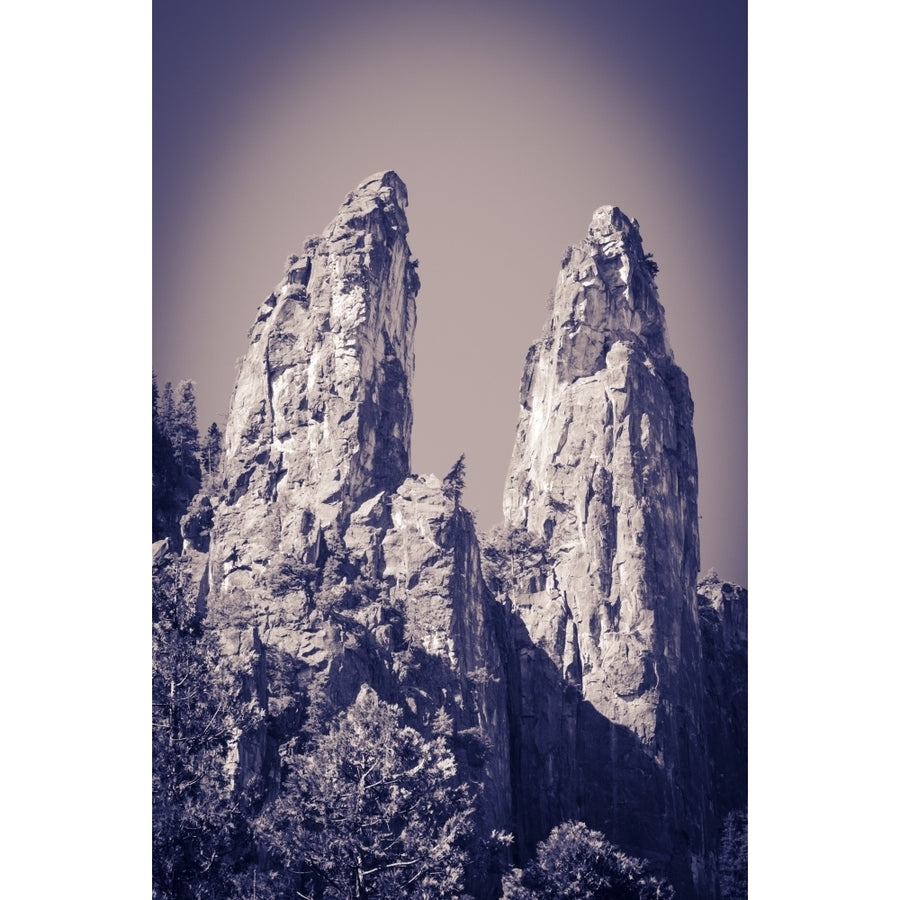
pixel 575 863
pixel 198 831
pixel 184 435
pixel 211 450
pixel 164 470
pixel 166 410
pixel 455 480
pixel 733 856
pixel 372 809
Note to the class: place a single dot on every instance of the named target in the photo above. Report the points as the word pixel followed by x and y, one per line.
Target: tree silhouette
pixel 733 856
pixel 455 480
pixel 184 435
pixel 198 830
pixel 211 450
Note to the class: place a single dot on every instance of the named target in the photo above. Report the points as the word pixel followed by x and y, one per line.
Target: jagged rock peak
pixel 604 475
pixel 610 222
pixel 616 235
pixel 605 293
pixel 386 189
pixel 321 415
pixel 378 203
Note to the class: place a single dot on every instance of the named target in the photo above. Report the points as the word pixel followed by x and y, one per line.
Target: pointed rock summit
pixel 604 477
pixel 321 413
pixel 330 566
pixel 604 471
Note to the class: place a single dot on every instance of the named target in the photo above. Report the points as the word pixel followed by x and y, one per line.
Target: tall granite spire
pixel 604 474
pixel 605 470
pixel 329 565
pixel 320 421
pixel 321 413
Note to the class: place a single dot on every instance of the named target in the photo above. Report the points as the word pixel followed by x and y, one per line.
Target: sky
pixel 509 122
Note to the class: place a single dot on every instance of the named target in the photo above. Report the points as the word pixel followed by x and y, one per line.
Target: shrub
pixel 575 863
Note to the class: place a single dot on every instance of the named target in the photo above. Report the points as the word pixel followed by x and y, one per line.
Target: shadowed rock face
pixel 723 622
pixel 604 471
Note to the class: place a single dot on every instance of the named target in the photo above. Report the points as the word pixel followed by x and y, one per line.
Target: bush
pixel 575 863
pixel 372 809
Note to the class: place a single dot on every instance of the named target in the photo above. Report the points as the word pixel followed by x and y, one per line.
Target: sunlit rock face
pixel 320 418
pixel 325 553
pixel 604 472
pixel 321 413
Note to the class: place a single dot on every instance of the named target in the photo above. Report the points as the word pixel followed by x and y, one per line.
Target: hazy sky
pixel 510 122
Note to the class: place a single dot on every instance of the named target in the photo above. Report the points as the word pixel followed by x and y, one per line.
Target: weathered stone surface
pixel 432 570
pixel 321 413
pixel 593 679
pixel 604 471
pixel 325 555
pixel 320 421
pixel 723 621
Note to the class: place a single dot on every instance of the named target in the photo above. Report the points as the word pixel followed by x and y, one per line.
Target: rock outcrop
pixel 321 414
pixel 325 554
pixel 723 624
pixel 604 473
pixel 319 422
pixel 586 679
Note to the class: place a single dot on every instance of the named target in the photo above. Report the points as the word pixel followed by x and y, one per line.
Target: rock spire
pixel 585 679
pixel 330 565
pixel 321 413
pixel 604 475
pixel 605 471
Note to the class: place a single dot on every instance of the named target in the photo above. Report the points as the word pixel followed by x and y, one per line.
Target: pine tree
pixel 164 471
pixel 575 863
pixel 184 435
pixel 733 856
pixel 166 410
pixel 455 480
pixel 211 450
pixel 651 265
pixel 198 831
pixel 372 809
pixel 507 553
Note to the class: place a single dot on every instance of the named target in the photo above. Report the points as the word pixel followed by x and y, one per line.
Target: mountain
pixel 582 675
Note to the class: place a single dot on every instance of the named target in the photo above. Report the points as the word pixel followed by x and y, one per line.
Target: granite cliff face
pixel 321 417
pixel 604 476
pixel 723 624
pixel 604 470
pixel 324 552
pixel 585 677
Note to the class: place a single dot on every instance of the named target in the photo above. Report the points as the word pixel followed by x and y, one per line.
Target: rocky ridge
pixel 587 674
